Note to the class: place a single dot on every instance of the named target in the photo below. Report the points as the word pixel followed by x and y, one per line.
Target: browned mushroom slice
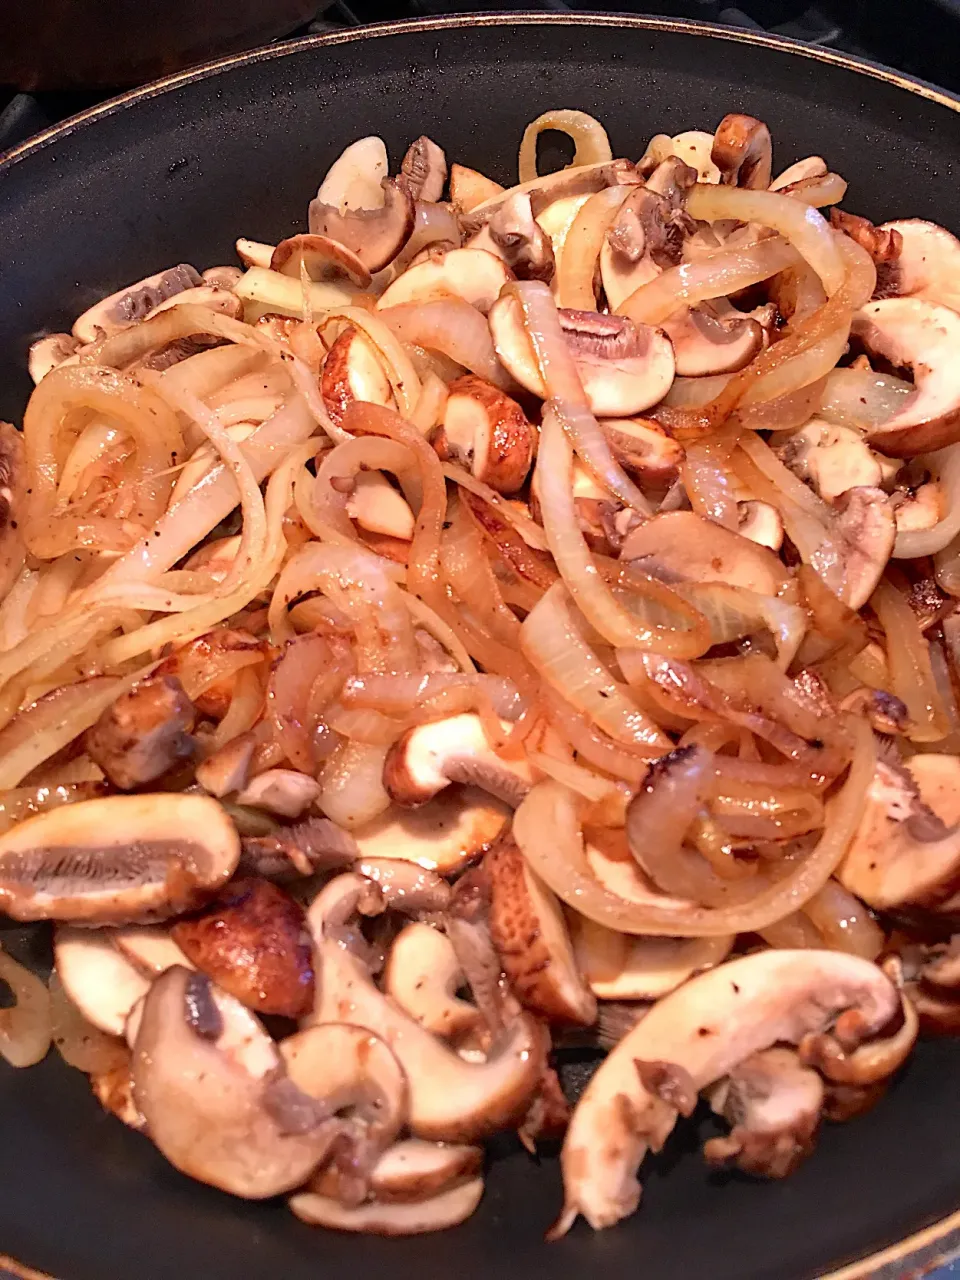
pixel 761 523
pixel 427 758
pixel 322 259
pixel 414 1170
pixel 380 508
pixel 127 306
pixel 113 1089
pixel 50 352
pixel 445 834
pixel 222 277
pixel 405 1218
pixel 486 431
pixel 253 942
pixel 705 342
pixel 926 266
pixel 643 447
pixel 472 274
pixel 743 152
pixel 681 546
pixel 862 1065
pixel 118 859
pixel 515 235
pixel 625 368
pixel 423 975
pixel 914 334
pixel 468 188
pixel 833 459
pixel 906 851
pixel 376 236
pixel 144 734
pixel 800 171
pixel 423 170
pixel 211 1085
pixel 101 982
pixel 531 938
pixel 352 371
pixel 773 1104
pixel 227 769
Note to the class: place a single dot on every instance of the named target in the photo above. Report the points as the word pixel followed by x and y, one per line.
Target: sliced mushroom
pixel 516 236
pixel 926 266
pixel 918 509
pixel 487 432
pixel 809 167
pixel 405 1218
pixel 227 770
pixel 254 943
pixel 467 924
pixel 863 1064
pixel 450 1100
pixel 644 449
pixel 375 235
pixel 834 459
pixel 625 368
pixel 212 1088
pixel 743 152
pixel 254 253
pixel 354 180
pixel 761 523
pixel 619 967
pixel 101 982
pixel 222 277
pixel 693 147
pixel 705 1030
pixel 406 887
pixel 286 792
pixel 914 334
pixel 118 859
pixel 552 188
pixel 50 352
pixel 223 301
pixel 773 1104
pixel 423 170
pixel 148 947
pixel 430 756
pixel 144 734
pixel 680 546
pixel 298 851
pixel 353 371
pixel 649 232
pixel 933 986
pixel 472 274
pixel 414 1170
pixel 906 851
pixel 380 508
pixel 322 259
pixel 130 305
pixel 443 835
pixel 866 531
pixel 883 246
pixel 530 934
pixel 113 1089
pixel 422 975
pixel 468 188
pixel 706 342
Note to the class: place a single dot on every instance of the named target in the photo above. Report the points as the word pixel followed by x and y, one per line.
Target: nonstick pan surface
pixel 175 172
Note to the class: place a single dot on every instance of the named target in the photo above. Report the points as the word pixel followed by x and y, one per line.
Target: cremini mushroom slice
pixel 922 336
pixel 644 449
pixel 699 1034
pixel 227 770
pixel 487 432
pixel 414 1170
pixel 450 1100
pixel 694 148
pixel 50 352
pixel 100 981
pixel 532 941
pixel 324 260
pixel 117 860
pixel 906 851
pixel 254 253
pixel 211 1086
pixel 475 275
pixel 148 947
pixel 254 943
pixel 128 306
pixel 430 756
pixel 681 546
pixel 375 235
pixel 616 966
pixel 625 368
pixel 927 264
pixel 395 1218
pixel 519 239
pixel 422 975
pixel 444 835
pixel 773 1104
pixel 866 529
pixel 353 371
pixel 285 792
pixel 468 188
pixel 213 297
pixel 221 277
pixel 921 508
pixel 761 523
pixel 354 180
pixel 800 171
pixel 380 508
pixel 648 233
pixel 706 341
pixel 144 734
pixel 834 459
pixel 743 152
pixel 863 1064
pixel 406 887
pixel 423 170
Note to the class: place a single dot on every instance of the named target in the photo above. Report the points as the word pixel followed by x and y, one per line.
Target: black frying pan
pixel 176 172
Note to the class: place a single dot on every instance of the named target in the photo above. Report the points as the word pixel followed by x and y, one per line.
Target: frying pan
pixel 174 172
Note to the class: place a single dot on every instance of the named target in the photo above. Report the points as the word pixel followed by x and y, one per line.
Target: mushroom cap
pixel 866 530
pixel 211 1086
pixel 906 851
pixel 924 337
pixel 447 1208
pixel 354 179
pixel 129 305
pixel 443 835
pixel 706 343
pixel 468 188
pixel 643 448
pixel 532 941
pixel 118 859
pixel 486 430
pixel 375 235
pixel 682 546
pixel 321 258
pixel 148 947
pixel 624 367
pixel 353 371
pixel 743 152
pixel 705 1029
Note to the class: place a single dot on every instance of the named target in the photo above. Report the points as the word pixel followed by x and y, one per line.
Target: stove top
pixel 925 46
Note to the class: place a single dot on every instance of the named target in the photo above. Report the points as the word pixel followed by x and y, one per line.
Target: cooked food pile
pixel 493 622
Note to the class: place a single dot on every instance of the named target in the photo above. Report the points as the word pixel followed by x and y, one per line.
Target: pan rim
pixel 379 30
pixel 936 1244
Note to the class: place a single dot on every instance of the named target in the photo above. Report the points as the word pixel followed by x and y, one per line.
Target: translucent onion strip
pixel 589 135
